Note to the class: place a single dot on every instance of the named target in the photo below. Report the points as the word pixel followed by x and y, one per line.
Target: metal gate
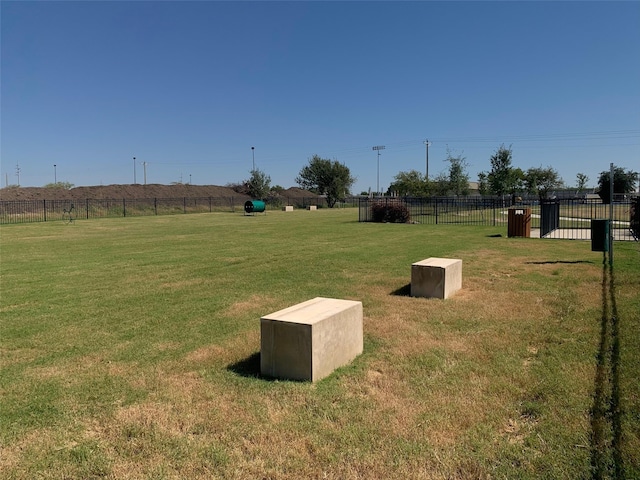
pixel 549 216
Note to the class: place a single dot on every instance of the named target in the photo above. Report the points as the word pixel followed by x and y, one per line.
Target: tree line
pixel 334 180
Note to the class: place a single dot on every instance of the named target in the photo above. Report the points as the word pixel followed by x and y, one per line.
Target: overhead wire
pixel 461 142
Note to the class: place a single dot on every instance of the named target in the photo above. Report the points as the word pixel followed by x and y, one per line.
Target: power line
pixel 552 139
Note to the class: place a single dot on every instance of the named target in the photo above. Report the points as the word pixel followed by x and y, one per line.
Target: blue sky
pixel 190 87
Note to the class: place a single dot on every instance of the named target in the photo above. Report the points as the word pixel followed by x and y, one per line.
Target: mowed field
pixel 130 350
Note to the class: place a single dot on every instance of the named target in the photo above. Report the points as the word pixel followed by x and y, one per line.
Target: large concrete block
pixel 312 207
pixel 287 208
pixel 310 340
pixel 436 277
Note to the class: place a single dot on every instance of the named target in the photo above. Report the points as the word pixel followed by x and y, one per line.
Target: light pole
pixel 427 144
pixel 134 170
pixel 189 179
pixel 378 148
pixel 253 158
pixel 55 175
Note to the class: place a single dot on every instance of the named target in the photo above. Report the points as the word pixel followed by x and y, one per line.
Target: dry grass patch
pixel 161 379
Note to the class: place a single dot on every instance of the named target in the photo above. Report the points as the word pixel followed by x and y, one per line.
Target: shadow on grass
pixel 559 261
pixel 248 367
pixel 606 427
pixel 404 291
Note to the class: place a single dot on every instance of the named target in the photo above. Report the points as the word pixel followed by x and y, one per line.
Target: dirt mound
pixel 134 192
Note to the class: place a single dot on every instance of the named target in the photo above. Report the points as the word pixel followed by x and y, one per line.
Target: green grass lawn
pixel 130 350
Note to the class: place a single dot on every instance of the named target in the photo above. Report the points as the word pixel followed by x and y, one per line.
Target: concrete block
pixel 287 208
pixel 312 207
pixel 436 277
pixel 310 340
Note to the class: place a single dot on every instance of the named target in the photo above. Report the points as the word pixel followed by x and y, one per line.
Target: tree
pixel 441 185
pixel 581 181
pixel 483 183
pixel 623 182
pixel 258 184
pixel 503 178
pixel 326 177
pixel 458 178
pixel 411 183
pixel 541 181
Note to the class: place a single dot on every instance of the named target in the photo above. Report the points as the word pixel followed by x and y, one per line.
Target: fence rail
pixel 441 210
pixel 28 211
pixel 573 215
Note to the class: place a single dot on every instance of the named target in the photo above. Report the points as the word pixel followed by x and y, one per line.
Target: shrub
pixel 390 213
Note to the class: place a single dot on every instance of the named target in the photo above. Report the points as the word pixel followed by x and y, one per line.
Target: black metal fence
pixel 571 218
pixel 563 218
pixel 27 211
pixel 441 210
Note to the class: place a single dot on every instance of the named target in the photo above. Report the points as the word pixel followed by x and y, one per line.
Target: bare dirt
pixel 133 192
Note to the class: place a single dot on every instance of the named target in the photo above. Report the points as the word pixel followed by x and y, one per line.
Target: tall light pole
pixel 55 175
pixel 134 170
pixel 253 158
pixel 378 148
pixel 427 144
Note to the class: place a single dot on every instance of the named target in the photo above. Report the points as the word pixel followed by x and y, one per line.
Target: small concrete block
pixel 312 207
pixel 436 277
pixel 287 208
pixel 308 341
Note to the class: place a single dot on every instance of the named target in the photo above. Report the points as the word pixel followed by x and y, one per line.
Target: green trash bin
pixel 600 235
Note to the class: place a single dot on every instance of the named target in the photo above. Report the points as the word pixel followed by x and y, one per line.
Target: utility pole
pixel 144 165
pixel 18 172
pixel 55 175
pixel 378 148
pixel 427 144
pixel 134 170
pixel 253 158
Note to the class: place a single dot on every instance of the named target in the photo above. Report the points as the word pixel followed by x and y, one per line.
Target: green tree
pixel 542 181
pixel 411 183
pixel 483 184
pixel 624 181
pixel 326 177
pixel 458 177
pixel 581 182
pixel 259 184
pixel 441 185
pixel 503 178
